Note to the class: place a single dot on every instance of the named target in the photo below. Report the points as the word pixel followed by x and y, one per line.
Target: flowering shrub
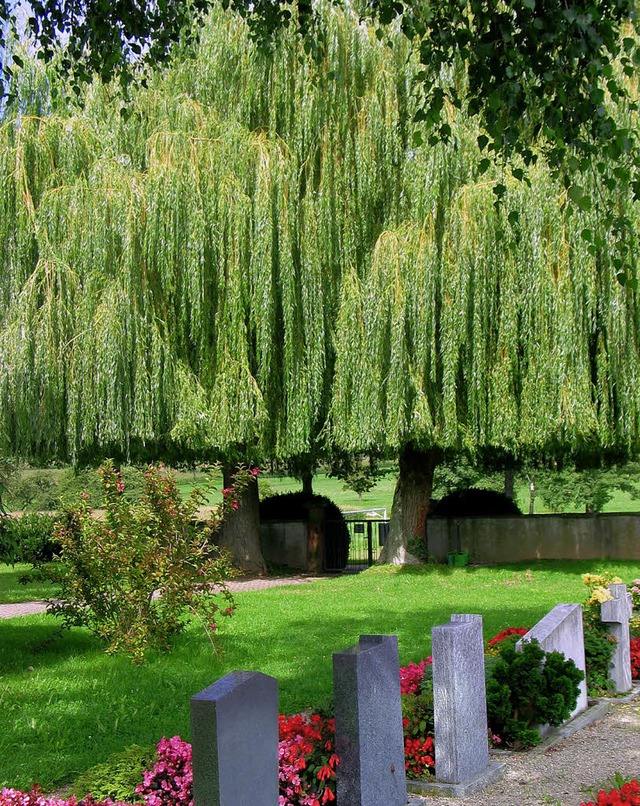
pixel 591 611
pixel 627 793
pixel 170 782
pixel 411 676
pixel 635 658
pixel 598 593
pixel 135 576
pixel 13 797
pixel 307 761
pixel 494 644
pixel 417 718
pixel 419 755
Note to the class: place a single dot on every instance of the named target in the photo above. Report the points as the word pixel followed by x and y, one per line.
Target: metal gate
pixel 366 539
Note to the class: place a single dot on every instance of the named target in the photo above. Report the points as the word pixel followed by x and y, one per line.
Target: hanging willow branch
pixel 259 259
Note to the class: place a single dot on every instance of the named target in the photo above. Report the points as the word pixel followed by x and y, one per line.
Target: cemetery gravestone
pixel 368 719
pixel 459 699
pixel 616 614
pixel 234 735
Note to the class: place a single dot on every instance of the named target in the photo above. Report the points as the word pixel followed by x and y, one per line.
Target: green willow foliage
pixel 258 259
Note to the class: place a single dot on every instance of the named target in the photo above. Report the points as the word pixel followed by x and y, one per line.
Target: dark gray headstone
pixel 368 713
pixel 234 736
pixel 459 699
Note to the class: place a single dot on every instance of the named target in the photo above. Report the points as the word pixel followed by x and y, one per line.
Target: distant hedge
pixel 295 507
pixel 474 501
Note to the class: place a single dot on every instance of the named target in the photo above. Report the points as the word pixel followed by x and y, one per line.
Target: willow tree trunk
pixel 240 533
pixel 509 480
pixel 410 504
pixel 307 481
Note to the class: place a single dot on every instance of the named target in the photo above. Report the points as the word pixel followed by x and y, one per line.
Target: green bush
pixel 137 575
pixel 598 652
pixel 530 688
pixel 118 776
pixel 28 539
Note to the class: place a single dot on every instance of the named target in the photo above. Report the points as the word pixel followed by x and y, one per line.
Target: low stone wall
pixel 537 537
pixel 285 544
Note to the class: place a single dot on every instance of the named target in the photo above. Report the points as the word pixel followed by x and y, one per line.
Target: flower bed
pixel 627 793
pixel 307 761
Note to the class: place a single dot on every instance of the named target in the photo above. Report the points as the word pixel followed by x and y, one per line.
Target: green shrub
pixel 118 776
pixel 136 576
pixel 27 539
pixel 530 688
pixel 598 652
pixel 474 502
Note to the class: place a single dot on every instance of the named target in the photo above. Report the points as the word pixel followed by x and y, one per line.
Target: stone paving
pixel 30 608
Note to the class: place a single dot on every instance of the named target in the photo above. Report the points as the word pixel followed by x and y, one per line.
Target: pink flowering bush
pixel 170 782
pixel 13 797
pixel 411 676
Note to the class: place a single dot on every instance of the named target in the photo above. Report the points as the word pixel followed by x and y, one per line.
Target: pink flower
pixel 255 471
pixel 227 491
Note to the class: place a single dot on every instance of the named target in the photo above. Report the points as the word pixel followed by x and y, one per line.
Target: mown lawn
pixel 66 706
pixel 12 590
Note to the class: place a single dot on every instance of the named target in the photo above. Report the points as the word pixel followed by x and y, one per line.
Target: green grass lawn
pixel 66 705
pixel 12 590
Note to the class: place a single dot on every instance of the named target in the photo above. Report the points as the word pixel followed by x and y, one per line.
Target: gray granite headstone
pixel 561 630
pixel 234 736
pixel 616 614
pixel 368 714
pixel 459 699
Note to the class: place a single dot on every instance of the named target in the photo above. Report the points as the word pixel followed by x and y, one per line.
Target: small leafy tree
pixel 136 575
pixel 359 473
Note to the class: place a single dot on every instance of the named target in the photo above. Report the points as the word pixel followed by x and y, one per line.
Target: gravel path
pixel 568 772
pixel 29 608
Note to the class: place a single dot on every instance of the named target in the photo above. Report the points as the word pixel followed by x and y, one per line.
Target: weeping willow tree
pixel 472 341
pixel 256 261
pixel 170 277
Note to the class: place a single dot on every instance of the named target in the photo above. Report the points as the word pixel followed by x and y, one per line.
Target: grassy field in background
pixel 66 705
pixel 380 497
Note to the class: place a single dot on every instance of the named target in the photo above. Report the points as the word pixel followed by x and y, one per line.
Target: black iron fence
pixel 366 539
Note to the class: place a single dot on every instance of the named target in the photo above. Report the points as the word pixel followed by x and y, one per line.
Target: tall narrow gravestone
pixel 368 713
pixel 234 736
pixel 616 614
pixel 561 630
pixel 459 699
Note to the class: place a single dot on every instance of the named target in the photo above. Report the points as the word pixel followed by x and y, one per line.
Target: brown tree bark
pixel 509 479
pixel 307 481
pixel 240 533
pixel 410 504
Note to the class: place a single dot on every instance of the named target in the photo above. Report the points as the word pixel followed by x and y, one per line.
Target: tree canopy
pixel 261 258
pixel 538 75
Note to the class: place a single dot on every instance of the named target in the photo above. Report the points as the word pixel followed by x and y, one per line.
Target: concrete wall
pixel 537 537
pixel 285 544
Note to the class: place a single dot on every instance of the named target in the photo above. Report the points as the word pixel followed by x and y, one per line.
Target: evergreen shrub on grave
pixel 530 688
